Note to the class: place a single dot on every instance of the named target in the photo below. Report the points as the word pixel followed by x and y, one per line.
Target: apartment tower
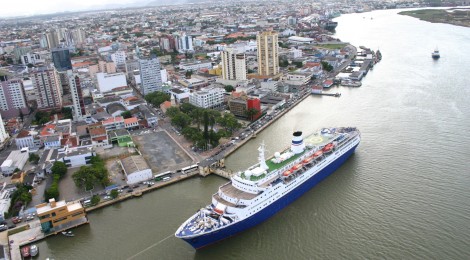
pixel 268 60
pixel 233 64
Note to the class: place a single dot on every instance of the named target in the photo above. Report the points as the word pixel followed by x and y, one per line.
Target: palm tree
pixel 251 112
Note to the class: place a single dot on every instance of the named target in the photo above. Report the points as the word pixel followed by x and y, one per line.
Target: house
pixel 28 139
pixel 136 169
pixel 131 123
pixel 115 109
pixel 151 117
pixel 98 135
pixel 113 123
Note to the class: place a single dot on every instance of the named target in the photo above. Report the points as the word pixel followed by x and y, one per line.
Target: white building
pixel 195 66
pixel 208 97
pixel 233 64
pixel 107 82
pixel 16 159
pixel 295 53
pixel 3 134
pixel 150 75
pixel 186 43
pixel 76 157
pixel 27 139
pixel 301 40
pixel 32 58
pixel 77 96
pixel 119 57
pixel 136 169
pixel 12 97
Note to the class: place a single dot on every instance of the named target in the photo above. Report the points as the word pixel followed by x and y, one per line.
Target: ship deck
pixel 227 203
pixel 233 192
pixel 315 139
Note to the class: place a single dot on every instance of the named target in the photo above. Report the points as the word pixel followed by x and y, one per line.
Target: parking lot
pixel 161 152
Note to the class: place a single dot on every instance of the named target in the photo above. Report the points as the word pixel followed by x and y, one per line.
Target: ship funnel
pixel 298 145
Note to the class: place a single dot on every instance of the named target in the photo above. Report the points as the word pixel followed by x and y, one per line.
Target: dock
pixel 327 94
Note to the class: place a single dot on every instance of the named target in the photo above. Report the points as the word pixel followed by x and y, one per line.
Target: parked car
pixel 3 227
pixel 16 220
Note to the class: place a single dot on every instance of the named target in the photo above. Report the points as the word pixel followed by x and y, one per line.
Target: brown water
pixel 403 194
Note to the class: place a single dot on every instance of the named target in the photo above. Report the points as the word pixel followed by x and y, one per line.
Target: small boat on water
pixel 68 233
pixel 436 55
pixel 34 250
pixel 25 251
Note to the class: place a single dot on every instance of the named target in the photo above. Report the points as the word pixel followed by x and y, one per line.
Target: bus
pixel 161 176
pixel 189 168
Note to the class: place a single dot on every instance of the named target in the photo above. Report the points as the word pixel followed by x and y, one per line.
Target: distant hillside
pixel 174 2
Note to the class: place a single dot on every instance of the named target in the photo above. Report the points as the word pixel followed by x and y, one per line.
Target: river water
pixel 403 195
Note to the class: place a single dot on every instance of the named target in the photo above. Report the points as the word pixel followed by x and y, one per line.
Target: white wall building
pixel 186 43
pixel 3 134
pixel 119 57
pixel 77 96
pixel 208 97
pixel 150 75
pixel 107 82
pixel 136 169
pixel 233 64
pixel 195 66
pixel 76 157
pixel 26 139
pixel 16 159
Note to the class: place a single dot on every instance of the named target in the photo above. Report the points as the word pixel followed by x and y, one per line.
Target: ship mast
pixel 261 159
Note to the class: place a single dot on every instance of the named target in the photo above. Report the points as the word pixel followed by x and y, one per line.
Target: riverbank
pixel 454 16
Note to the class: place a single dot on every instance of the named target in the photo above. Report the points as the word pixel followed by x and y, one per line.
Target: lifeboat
pixel 328 148
pixel 317 153
pixel 287 173
pixel 297 167
pixel 308 159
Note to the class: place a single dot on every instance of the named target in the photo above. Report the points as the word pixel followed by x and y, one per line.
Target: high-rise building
pixel 3 133
pixel 77 96
pixel 150 75
pixel 268 59
pixel 47 86
pixel 78 36
pixel 233 64
pixel 61 59
pixel 52 39
pixel 186 43
pixel 12 97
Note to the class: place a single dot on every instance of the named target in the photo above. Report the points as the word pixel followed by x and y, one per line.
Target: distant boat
pixel 34 250
pixel 435 55
pixel 68 234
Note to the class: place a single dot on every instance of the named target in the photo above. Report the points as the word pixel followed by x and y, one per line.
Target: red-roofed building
pixel 113 123
pixel 130 123
pixel 165 105
pixel 99 135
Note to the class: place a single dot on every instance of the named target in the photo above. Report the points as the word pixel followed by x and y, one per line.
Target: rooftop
pixel 133 164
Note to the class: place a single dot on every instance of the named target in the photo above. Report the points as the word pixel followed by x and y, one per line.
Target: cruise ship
pixel 254 195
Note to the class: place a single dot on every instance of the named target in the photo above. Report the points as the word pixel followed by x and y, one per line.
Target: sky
pixel 9 8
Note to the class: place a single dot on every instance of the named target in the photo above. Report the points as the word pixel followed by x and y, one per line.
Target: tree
pixel 114 194
pixel 95 200
pixel 326 66
pixel 85 178
pixel 21 115
pixel 67 112
pixel 34 158
pixel 157 98
pixel 172 112
pixel 188 74
pixel 126 114
pixel 229 88
pixel 251 112
pixel 181 120
pixel 59 168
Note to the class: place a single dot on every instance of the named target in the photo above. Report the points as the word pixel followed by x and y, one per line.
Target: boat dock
pixel 29 234
pixel 327 94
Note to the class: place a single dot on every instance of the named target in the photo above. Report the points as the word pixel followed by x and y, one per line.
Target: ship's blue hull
pixel 207 239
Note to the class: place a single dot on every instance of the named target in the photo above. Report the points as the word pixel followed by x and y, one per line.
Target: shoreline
pixel 442 16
